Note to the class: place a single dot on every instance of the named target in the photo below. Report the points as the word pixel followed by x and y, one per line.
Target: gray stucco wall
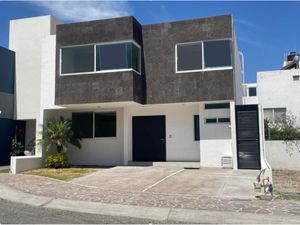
pixel 159 83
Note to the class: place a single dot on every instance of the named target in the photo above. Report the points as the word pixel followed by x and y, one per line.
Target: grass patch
pixel 65 174
pixel 288 196
pixel 4 171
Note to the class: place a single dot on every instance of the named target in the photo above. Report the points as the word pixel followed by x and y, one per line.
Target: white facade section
pixel 215 139
pixel 180 143
pixel 238 74
pixel 278 89
pixel 26 39
pixel 249 100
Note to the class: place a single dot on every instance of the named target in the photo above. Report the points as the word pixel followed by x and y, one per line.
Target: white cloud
pixel 84 10
pixel 244 22
pixel 252 42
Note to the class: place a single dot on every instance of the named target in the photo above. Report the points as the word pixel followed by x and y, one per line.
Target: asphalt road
pixel 19 213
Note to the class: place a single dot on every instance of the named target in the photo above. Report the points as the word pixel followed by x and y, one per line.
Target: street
pixel 20 213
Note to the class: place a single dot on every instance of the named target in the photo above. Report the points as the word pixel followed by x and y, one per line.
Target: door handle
pixel 163 140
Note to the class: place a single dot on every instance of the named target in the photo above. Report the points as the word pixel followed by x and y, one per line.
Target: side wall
pixel 282 156
pixel 277 89
pixel 27 42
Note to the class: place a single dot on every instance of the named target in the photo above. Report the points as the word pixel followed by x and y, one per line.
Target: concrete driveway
pixel 175 180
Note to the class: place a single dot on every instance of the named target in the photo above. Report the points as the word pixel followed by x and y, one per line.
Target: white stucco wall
pixel 95 151
pixel 26 39
pixel 277 89
pixel 215 139
pixel 238 74
pixel 279 157
pixel 22 163
pixel 180 143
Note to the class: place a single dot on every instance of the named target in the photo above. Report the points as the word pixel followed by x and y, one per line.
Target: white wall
pixel 26 39
pixel 276 89
pixel 279 157
pixel 238 74
pixel 215 138
pixel 180 143
pixel 95 151
pixel 22 163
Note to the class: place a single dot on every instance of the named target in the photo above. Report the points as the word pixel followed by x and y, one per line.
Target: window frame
pixel 273 112
pixel 95 60
pixel 203 60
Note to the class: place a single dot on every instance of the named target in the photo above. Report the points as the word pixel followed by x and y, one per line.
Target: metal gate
pixel 248 138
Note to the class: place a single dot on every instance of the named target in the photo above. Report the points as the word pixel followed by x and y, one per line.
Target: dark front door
pixel 149 138
pixel 247 127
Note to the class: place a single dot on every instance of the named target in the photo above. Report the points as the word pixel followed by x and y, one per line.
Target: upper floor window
pixel 77 59
pixel 117 56
pixel 201 56
pixel 217 54
pixel 252 91
pixel 109 58
pixel 189 57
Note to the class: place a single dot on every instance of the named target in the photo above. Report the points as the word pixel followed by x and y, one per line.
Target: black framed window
pixel 211 120
pixel 77 59
pixel 217 53
pixel 189 57
pixel 196 128
pixel 224 120
pixel 105 124
pixel 252 91
pixel 225 105
pixel 82 124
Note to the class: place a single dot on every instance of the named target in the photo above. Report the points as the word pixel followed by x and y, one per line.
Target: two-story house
pixel 134 93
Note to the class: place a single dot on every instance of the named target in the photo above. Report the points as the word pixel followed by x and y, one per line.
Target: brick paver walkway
pixel 59 189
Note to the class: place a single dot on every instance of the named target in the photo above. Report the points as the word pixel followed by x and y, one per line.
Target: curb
pixel 142 212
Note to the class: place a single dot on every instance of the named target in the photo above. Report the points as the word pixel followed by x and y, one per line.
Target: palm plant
pixel 59 134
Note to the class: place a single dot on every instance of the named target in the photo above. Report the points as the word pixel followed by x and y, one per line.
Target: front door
pixel 149 138
pixel 248 146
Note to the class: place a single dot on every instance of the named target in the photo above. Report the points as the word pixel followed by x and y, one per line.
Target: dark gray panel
pixel 158 83
pixel 7 70
pixel 6 105
pixel 163 84
pixel 98 87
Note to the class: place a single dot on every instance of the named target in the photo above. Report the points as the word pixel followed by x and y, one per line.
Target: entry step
pixel 186 165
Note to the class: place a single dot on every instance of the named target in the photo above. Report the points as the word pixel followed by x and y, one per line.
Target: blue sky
pixel 265 31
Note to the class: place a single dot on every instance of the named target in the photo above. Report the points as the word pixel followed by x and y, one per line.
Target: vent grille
pixel 227 162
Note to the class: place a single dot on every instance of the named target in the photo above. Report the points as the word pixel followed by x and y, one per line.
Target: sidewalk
pixel 50 193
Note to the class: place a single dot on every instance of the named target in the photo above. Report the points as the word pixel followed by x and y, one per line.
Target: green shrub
pixel 17 149
pixel 58 160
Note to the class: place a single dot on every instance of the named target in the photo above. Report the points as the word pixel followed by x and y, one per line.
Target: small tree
pixel 58 135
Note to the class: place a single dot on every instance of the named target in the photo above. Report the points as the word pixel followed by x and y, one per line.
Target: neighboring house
pixel 8 126
pixel 278 91
pixel 159 92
